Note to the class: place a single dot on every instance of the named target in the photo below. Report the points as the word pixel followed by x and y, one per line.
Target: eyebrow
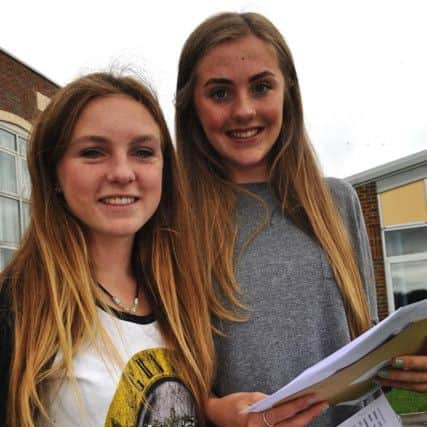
pixel 256 77
pixel 104 140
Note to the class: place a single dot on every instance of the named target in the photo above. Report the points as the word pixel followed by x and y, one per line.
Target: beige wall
pixel 16 120
pixel 406 204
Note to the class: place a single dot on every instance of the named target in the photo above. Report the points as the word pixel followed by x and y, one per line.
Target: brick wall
pixel 18 87
pixel 368 199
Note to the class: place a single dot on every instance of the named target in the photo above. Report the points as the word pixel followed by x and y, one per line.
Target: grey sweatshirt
pixel 296 316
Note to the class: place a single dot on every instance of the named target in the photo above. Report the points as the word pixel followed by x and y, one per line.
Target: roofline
pixel 29 67
pixel 404 163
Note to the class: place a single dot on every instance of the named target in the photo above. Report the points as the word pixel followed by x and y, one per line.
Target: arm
pixel 347 201
pixel 226 411
pixel 364 256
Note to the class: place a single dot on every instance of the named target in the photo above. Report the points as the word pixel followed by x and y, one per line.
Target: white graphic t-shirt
pixel 147 393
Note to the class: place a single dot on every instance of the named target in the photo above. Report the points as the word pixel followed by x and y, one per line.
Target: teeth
pixel 243 133
pixel 118 200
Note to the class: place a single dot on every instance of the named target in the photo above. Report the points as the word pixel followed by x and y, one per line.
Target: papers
pixel 377 414
pixel 345 376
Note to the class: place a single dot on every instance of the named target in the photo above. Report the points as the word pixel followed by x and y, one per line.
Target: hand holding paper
pixel 347 374
pixel 407 372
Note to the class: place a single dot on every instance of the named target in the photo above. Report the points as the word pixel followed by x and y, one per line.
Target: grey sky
pixel 361 63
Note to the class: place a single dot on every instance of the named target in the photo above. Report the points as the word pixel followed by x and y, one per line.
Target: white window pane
pixel 22 146
pixel 406 242
pixel 7 173
pixel 5 256
pixel 25 215
pixel 409 281
pixel 9 220
pixel 25 179
pixel 7 139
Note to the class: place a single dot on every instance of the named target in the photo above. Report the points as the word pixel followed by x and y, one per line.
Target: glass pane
pixel 9 220
pixel 25 179
pixel 409 281
pixel 407 241
pixel 22 146
pixel 25 215
pixel 7 173
pixel 5 256
pixel 7 139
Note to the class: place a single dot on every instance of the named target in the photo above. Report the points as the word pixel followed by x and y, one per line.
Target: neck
pixel 249 174
pixel 113 270
pixel 112 263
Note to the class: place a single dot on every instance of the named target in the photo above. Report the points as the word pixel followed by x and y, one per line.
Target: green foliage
pixel 404 401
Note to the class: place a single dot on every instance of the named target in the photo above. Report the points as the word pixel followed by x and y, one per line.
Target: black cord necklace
pixel 118 302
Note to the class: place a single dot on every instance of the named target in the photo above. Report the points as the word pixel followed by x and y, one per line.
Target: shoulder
pixel 341 190
pixel 347 202
pixel 344 194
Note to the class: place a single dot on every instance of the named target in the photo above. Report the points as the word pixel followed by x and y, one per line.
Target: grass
pixel 404 401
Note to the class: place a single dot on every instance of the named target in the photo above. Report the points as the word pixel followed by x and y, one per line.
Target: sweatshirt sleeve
pixel 351 211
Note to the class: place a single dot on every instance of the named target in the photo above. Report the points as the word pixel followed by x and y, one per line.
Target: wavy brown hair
pixel 50 281
pixel 294 174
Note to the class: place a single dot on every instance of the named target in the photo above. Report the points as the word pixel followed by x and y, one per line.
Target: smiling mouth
pixel 119 200
pixel 244 133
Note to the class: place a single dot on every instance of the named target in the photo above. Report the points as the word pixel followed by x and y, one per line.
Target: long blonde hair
pixel 294 174
pixel 50 281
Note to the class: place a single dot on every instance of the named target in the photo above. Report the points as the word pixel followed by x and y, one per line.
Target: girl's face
pixel 238 96
pixel 111 172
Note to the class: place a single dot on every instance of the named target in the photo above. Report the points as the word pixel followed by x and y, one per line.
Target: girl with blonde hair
pixel 287 249
pixel 103 318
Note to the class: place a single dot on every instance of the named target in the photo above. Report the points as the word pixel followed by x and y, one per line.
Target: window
pixel 14 189
pixel 406 264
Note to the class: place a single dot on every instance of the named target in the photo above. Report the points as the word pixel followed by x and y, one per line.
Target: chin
pixel 117 232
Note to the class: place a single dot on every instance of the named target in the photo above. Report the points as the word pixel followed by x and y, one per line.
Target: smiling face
pixel 238 96
pixel 111 172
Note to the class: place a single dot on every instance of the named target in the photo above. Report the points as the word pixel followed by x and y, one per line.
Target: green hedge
pixel 404 401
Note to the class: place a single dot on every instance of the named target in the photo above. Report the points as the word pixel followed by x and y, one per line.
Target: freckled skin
pixel 243 124
pixel 122 164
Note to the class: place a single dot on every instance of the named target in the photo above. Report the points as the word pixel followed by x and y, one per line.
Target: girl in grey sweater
pixel 287 248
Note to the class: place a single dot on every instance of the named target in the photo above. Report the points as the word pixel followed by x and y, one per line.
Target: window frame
pixel 390 260
pixel 18 156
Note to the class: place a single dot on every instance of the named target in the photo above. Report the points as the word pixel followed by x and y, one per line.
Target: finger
pixel 255 396
pixel 410 362
pixel 306 416
pixel 248 399
pixel 403 375
pixel 419 387
pixel 289 409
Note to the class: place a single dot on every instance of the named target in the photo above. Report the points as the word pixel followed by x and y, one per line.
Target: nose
pixel 121 170
pixel 244 108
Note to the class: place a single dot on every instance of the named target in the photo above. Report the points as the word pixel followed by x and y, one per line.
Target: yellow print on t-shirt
pixel 150 394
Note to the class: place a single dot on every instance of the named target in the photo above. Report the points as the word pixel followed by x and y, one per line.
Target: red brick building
pixel 23 93
pixel 394 203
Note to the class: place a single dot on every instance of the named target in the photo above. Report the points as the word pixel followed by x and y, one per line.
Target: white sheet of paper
pixel 347 355
pixel 377 414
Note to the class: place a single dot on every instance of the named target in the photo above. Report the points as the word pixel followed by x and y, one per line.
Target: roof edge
pixel 29 67
pixel 387 169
